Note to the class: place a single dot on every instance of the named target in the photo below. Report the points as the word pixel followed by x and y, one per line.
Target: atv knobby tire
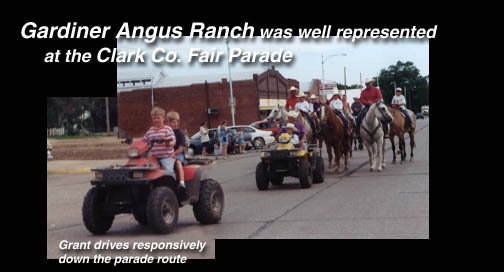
pixel 261 176
pixel 140 214
pixel 93 214
pixel 318 174
pixel 277 180
pixel 209 208
pixel 305 174
pixel 162 210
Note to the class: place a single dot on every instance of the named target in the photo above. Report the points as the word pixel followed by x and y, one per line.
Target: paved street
pixel 355 204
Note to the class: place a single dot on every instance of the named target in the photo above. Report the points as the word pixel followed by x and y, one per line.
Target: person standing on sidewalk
pixel 205 139
pixel 224 138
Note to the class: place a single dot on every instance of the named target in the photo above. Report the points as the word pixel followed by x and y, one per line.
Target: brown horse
pixel 334 137
pixel 397 128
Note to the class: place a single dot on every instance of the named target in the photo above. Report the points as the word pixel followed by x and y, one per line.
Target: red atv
pixel 143 188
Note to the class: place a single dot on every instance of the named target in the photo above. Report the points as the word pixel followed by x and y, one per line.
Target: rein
pixel 371 134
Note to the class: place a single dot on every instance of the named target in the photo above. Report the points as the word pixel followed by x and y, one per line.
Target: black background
pixel 31 81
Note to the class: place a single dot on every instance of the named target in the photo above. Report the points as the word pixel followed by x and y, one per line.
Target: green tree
pixel 68 112
pixel 406 76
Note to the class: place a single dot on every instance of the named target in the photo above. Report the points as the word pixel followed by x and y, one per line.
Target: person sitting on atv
pixel 162 152
pixel 337 106
pixel 290 128
pixel 174 122
pixel 292 118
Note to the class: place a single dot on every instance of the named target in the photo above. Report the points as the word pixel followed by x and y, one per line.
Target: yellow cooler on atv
pixel 287 160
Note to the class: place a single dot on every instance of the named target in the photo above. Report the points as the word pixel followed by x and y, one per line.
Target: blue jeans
pixel 407 115
pixel 180 157
pixel 312 123
pixel 358 120
pixel 342 116
pixel 168 164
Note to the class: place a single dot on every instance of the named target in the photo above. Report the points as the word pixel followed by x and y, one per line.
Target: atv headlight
pixel 265 155
pixel 98 175
pixel 283 140
pixel 292 153
pixel 138 175
pixel 133 152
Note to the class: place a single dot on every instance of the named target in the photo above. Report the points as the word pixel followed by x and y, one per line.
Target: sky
pixel 367 57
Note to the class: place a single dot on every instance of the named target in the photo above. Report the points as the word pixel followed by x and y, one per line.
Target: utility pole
pixel 152 90
pixel 344 68
pixel 108 119
pixel 360 75
pixel 231 87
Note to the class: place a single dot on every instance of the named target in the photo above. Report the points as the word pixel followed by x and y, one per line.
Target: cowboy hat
pixel 356 97
pixel 293 114
pixel 369 79
pixel 292 126
pixel 313 96
pixel 293 89
pixel 398 89
pixel 301 94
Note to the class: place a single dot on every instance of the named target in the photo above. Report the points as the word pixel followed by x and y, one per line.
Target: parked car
pixel 420 116
pixel 196 147
pixel 259 138
pixel 425 110
pixel 265 125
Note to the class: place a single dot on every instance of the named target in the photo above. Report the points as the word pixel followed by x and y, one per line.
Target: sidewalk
pixel 84 166
pixel 75 167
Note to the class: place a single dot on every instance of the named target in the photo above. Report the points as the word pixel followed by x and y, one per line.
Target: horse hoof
pixel 371 170
pixel 380 170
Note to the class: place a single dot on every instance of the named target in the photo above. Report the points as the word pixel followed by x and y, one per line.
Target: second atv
pixel 287 160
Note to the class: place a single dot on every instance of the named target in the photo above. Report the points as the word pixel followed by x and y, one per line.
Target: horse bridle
pixel 371 134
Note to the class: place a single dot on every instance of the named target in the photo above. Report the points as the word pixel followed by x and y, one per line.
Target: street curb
pixel 69 171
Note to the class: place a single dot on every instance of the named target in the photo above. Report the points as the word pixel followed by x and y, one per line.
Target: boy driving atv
pixel 163 152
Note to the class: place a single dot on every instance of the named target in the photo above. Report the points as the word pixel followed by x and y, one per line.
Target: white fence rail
pixel 56 132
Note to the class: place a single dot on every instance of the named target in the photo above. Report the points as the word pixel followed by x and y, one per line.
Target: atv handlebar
pixel 159 141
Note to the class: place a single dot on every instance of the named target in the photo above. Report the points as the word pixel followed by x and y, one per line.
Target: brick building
pixel 254 98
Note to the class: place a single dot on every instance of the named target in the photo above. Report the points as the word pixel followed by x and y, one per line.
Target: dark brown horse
pixel 397 128
pixel 334 137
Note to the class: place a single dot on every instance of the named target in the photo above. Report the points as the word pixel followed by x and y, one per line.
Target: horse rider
pixel 356 106
pixel 368 97
pixel 314 105
pixel 337 106
pixel 346 109
pixel 399 101
pixel 304 107
pixel 292 117
pixel 292 100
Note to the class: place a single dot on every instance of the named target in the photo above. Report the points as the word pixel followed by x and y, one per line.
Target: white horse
pixel 372 134
pixel 279 113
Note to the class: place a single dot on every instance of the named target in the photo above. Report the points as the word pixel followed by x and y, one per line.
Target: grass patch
pixel 98 135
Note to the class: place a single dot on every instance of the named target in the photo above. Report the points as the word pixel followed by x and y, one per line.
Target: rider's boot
pixel 387 134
